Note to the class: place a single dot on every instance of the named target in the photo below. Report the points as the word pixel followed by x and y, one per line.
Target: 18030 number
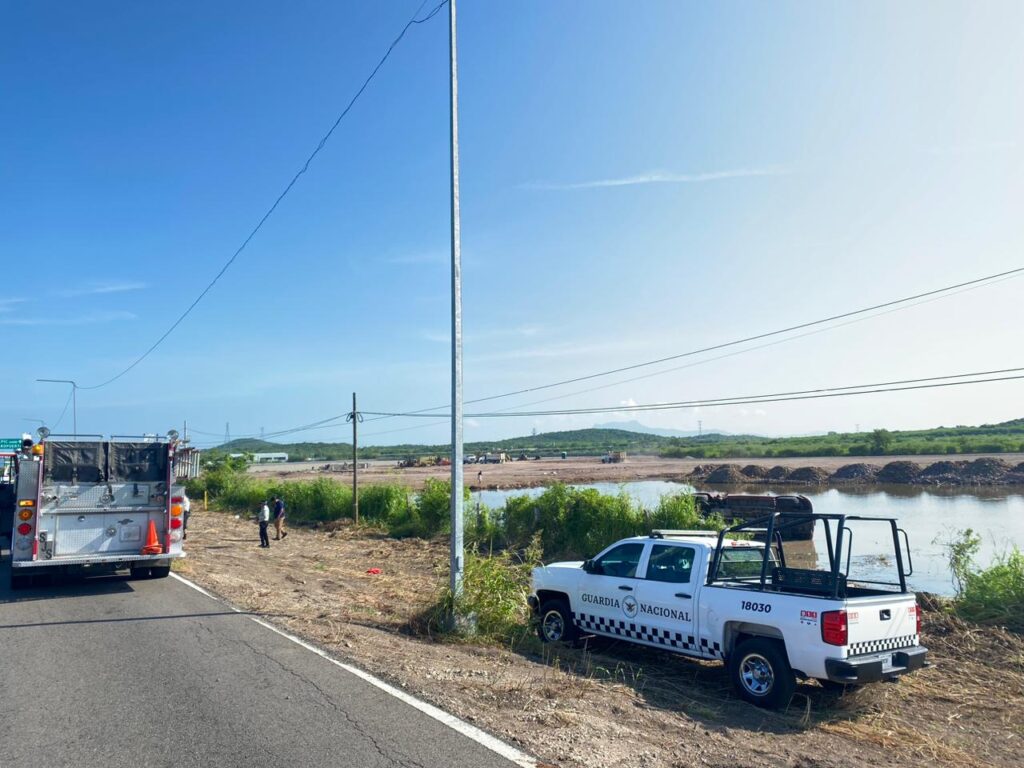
pixel 746 605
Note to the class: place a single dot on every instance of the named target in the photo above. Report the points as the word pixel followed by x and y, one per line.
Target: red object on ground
pixel 374 571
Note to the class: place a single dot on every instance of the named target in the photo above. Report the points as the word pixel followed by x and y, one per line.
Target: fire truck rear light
pixel 176 522
pixel 175 510
pixel 25 514
pixel 175 536
pixel 26 503
pixel 834 628
pixel 176 499
pixel 24 529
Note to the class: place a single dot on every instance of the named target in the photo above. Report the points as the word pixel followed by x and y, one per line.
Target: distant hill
pixel 988 438
pixel 636 426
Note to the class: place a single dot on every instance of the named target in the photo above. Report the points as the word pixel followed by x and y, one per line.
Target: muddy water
pixel 930 516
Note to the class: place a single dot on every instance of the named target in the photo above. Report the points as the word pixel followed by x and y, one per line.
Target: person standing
pixel 264 520
pixel 279 518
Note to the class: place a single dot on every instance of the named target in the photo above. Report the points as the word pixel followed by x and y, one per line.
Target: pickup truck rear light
pixel 24 529
pixel 834 628
pixel 917 614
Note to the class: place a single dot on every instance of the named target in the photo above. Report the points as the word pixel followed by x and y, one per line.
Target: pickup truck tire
pixel 159 571
pixel 761 673
pixel 555 623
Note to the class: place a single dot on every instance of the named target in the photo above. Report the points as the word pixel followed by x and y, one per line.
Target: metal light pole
pixel 74 398
pixel 456 557
pixel 355 418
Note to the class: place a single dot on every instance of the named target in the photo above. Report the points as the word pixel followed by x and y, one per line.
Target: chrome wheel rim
pixel 553 626
pixel 756 674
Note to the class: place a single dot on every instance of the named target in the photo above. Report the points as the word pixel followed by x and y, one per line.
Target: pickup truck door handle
pixel 684 595
pixel 625 588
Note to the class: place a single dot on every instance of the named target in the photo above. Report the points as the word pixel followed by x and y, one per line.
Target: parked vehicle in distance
pixel 719 596
pixel 86 503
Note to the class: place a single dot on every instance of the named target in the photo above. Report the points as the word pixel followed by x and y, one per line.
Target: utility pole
pixel 74 398
pixel 355 418
pixel 456 557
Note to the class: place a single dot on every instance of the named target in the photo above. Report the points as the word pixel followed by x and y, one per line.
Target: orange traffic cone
pixel 152 545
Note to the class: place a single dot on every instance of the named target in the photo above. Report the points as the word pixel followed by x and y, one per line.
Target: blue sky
pixel 637 180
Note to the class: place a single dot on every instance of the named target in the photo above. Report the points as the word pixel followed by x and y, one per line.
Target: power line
pixel 280 197
pixel 774 397
pixel 64 411
pixel 885 305
pixel 889 307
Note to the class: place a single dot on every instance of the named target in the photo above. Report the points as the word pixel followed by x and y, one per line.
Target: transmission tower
pixel 227 432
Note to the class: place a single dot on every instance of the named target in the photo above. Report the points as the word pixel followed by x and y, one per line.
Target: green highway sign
pixel 10 443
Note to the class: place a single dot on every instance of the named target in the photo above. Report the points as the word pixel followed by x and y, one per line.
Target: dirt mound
pixel 899 472
pixel 856 473
pixel 755 471
pixel 777 473
pixel 808 475
pixel 986 471
pixel 702 470
pixel 943 469
pixel 726 473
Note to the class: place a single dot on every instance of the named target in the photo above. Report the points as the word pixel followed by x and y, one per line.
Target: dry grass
pixel 608 703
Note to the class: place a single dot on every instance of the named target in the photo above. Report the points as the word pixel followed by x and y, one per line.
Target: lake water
pixel 930 516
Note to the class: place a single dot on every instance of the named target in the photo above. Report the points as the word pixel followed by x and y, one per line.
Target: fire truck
pixel 84 503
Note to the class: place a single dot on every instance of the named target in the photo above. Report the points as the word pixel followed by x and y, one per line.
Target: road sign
pixel 10 443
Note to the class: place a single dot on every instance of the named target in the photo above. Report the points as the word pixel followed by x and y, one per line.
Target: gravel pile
pixel 808 476
pixel 856 473
pixel 986 471
pixel 755 472
pixel 726 473
pixel 777 473
pixel 899 472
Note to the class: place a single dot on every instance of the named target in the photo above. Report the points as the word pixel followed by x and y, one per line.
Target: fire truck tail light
pixel 25 514
pixel 24 529
pixel 176 522
pixel 175 510
pixel 176 499
pixel 175 536
pixel 834 627
pixel 27 503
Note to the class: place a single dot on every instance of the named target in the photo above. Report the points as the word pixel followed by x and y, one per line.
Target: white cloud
pixel 98 288
pixel 662 177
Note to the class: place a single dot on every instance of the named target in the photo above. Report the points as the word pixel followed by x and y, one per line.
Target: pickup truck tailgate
pixel 881 624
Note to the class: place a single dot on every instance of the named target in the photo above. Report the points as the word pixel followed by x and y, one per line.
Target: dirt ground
pixel 528 474
pixel 608 704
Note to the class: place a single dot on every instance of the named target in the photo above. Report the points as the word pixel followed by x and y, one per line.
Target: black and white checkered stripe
pixel 884 644
pixel 634 631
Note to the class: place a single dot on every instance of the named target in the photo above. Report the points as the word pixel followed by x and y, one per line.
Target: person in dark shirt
pixel 279 519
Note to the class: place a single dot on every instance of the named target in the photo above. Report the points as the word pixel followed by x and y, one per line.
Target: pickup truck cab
pixel 726 595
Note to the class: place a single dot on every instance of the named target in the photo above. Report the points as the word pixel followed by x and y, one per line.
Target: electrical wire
pixel 774 397
pixel 63 412
pixel 280 197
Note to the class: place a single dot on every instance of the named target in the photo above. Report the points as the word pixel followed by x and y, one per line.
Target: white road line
pixel 456 724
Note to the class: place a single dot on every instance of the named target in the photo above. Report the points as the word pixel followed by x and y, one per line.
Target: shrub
pixel 993 595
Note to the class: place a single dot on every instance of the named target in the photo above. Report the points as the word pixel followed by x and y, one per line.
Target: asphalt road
pixel 113 672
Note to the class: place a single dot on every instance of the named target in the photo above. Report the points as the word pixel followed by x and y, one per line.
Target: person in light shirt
pixel 264 520
pixel 186 507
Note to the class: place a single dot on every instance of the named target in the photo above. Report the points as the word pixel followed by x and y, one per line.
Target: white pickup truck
pixel 719 596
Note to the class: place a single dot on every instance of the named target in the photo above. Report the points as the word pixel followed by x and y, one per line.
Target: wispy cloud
pixel 434 258
pixel 97 288
pixel 94 318
pixel 662 177
pixel 519 332
pixel 7 305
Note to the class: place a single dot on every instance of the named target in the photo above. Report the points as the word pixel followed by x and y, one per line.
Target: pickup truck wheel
pixel 761 673
pixel 159 571
pixel 555 623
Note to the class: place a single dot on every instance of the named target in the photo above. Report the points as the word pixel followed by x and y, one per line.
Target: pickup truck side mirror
pixel 588 566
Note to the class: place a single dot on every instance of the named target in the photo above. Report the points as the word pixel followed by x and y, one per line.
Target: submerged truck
pixel 85 503
pixel 733 596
